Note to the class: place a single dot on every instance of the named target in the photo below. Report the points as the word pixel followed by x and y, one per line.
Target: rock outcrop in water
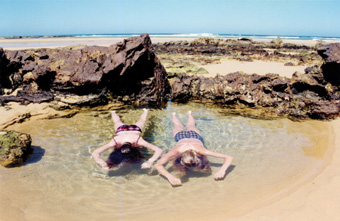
pixel 314 94
pixel 15 148
pixel 85 75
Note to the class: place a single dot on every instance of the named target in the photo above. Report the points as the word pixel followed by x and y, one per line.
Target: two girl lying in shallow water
pixel 189 152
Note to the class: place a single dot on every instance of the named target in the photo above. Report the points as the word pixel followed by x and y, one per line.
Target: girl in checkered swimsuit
pixel 189 152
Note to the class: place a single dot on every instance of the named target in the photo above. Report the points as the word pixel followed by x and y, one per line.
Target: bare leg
pixel 178 126
pixel 116 120
pixel 141 122
pixel 191 123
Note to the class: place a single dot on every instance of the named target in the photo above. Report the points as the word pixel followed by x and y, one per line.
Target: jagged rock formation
pixel 15 148
pixel 128 71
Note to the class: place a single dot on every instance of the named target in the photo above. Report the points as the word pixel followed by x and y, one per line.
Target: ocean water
pixel 206 35
pixel 109 39
pixel 62 182
pixel 254 37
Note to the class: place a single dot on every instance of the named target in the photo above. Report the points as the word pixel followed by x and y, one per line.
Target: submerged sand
pixel 317 199
pixel 67 183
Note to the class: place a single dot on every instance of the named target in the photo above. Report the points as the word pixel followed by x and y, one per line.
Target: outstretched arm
pixel 157 153
pixel 161 169
pixel 97 152
pixel 227 162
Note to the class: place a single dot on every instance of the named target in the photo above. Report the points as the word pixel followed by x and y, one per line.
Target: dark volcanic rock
pixel 324 110
pixel 331 68
pixel 300 97
pixel 129 68
pixel 15 148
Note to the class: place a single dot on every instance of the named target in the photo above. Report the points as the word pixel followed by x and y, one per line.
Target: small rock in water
pixel 99 175
pixel 15 148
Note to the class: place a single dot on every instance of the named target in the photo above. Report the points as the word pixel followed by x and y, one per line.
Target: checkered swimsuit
pixel 190 134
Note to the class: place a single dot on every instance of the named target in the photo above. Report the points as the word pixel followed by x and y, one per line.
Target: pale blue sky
pixel 268 17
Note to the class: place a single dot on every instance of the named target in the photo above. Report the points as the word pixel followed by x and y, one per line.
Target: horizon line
pixel 193 35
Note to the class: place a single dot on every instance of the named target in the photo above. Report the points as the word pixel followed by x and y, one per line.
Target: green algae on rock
pixel 15 148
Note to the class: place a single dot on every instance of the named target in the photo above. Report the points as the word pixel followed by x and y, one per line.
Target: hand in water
pixel 175 181
pixel 146 165
pixel 105 166
pixel 219 175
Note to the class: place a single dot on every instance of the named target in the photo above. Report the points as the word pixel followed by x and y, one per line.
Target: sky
pixel 260 17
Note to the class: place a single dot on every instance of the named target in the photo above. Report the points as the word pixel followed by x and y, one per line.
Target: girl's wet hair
pixel 126 153
pixel 190 159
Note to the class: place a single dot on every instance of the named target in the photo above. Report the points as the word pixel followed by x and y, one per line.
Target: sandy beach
pixel 258 67
pixel 31 43
pixel 316 199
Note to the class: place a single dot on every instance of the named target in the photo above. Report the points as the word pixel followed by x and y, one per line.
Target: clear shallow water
pixel 62 182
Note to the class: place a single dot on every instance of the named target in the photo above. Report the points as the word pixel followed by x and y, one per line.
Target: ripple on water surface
pixel 61 181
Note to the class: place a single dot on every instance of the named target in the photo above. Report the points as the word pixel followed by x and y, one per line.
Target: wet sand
pixel 14 113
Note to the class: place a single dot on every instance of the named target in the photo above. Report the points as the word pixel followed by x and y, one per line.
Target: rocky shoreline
pixel 130 73
pixel 313 94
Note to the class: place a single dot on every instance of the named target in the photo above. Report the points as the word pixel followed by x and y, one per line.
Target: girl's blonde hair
pixel 190 159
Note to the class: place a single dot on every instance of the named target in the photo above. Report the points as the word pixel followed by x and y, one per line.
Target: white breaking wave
pixel 189 35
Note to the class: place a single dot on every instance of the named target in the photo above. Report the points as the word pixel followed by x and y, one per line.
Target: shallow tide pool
pixel 62 182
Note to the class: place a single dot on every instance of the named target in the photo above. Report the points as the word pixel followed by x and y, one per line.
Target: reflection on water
pixel 62 182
